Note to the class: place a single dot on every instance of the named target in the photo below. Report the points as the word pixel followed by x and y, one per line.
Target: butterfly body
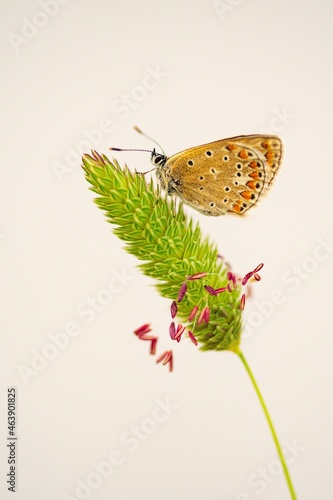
pixel 221 177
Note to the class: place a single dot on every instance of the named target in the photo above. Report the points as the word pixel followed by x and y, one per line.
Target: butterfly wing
pixel 226 176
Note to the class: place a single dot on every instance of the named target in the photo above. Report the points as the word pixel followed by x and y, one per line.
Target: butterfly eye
pixel 158 159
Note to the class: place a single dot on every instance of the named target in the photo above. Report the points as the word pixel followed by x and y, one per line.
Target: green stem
pixel 271 426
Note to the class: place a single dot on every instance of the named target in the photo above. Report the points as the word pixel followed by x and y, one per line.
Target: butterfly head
pixel 158 159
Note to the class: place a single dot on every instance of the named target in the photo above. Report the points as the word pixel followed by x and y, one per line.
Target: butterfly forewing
pixel 226 176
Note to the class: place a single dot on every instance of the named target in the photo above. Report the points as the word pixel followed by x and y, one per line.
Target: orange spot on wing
pixel 269 155
pixel 236 208
pixel 253 164
pixel 231 147
pixel 254 175
pixel 265 144
pixel 243 154
pixel 251 184
pixel 246 195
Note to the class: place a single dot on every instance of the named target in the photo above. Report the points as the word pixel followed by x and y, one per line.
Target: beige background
pixel 187 73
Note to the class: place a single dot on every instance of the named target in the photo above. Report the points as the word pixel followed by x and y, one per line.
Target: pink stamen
pixel 196 276
pixel 142 329
pixel 229 287
pixel 144 336
pixel 172 330
pixel 153 345
pixel 257 277
pixel 206 314
pixel 257 269
pixel 170 362
pixel 173 309
pixel 201 317
pixel 166 357
pixel 179 332
pixel 242 302
pixel 220 290
pixel 247 277
pixel 193 313
pixel 162 356
pixel 260 266
pixel 210 289
pixel 192 337
pixel 182 292
pixel 232 277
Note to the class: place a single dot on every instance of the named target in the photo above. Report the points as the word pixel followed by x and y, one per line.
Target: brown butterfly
pixel 221 177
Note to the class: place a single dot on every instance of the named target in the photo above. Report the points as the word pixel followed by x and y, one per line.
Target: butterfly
pixel 228 176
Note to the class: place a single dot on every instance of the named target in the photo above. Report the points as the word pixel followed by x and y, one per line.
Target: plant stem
pixel 271 426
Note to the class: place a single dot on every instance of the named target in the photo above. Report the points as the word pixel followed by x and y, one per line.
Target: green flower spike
pixel 205 294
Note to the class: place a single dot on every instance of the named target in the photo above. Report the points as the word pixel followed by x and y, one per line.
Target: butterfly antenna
pixel 121 149
pixel 148 137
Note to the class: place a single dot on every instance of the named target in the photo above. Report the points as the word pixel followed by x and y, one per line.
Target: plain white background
pixel 186 73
